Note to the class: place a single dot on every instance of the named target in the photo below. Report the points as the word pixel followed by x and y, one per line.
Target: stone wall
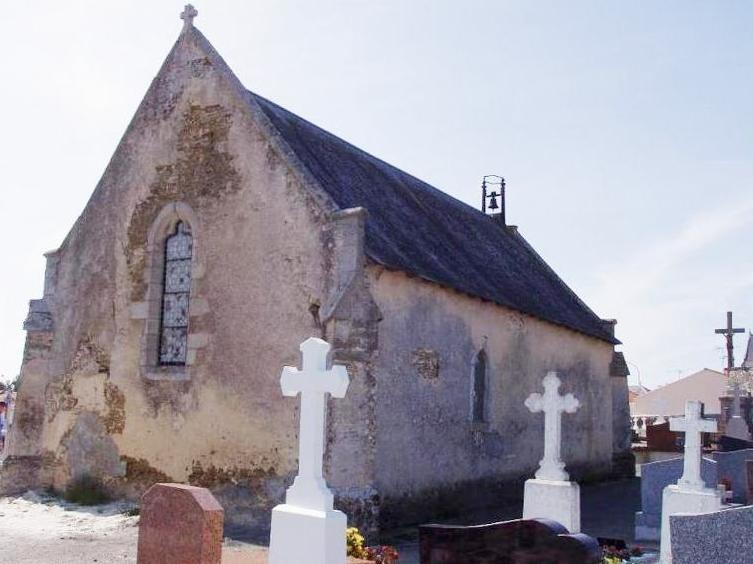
pixel 428 340
pixel 263 268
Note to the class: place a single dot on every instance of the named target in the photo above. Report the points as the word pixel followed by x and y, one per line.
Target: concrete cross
pixel 188 14
pixel 552 404
pixel 729 333
pixel 693 425
pixel 314 381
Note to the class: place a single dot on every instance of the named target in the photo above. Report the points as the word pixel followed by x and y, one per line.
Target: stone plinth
pixel 180 525
pixel 555 500
pixel 679 500
pixel 322 531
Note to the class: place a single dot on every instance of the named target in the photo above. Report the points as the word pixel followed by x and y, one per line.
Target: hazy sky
pixel 624 129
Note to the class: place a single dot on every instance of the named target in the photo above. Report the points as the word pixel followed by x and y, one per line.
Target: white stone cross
pixel 313 382
pixel 552 404
pixel 693 424
pixel 188 14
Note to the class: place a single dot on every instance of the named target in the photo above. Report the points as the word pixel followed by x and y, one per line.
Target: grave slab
pixel 521 541
pixel 721 537
pixel 180 524
pixel 678 500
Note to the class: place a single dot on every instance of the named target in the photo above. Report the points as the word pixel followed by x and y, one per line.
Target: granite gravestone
pixel 523 541
pixel 749 482
pixel 731 467
pixel 655 476
pixel 180 524
pixel 721 537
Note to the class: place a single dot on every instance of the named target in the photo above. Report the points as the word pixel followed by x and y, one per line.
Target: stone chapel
pixel 226 230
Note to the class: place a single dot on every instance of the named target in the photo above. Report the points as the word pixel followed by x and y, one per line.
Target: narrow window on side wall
pixel 478 392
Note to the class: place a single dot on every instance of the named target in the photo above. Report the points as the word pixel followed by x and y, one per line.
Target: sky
pixel 624 131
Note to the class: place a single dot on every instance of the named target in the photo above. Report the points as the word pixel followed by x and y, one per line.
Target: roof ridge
pixel 366 153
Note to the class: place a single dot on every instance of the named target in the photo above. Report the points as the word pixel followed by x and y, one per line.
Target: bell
pixel 493 205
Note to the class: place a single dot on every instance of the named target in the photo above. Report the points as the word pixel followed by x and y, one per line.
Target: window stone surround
pixel 149 311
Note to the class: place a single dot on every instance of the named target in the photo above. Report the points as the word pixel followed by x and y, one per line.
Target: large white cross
pixel 552 404
pixel 313 382
pixel 693 424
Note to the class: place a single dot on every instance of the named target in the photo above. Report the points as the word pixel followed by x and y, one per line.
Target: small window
pixel 478 392
pixel 175 294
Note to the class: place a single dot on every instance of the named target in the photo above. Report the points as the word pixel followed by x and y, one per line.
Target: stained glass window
pixel 175 294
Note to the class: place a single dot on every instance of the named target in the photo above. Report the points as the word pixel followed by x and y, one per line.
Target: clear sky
pixel 624 129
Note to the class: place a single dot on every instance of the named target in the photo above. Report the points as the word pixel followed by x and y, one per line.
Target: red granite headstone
pixel 180 525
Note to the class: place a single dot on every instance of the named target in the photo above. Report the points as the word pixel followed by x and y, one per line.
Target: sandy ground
pixel 35 529
pixel 39 529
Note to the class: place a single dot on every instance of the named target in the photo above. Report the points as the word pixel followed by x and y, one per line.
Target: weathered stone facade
pixel 274 261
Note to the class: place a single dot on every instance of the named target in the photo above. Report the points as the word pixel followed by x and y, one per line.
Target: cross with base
pixel 313 382
pixel 188 14
pixel 552 404
pixel 729 333
pixel 693 424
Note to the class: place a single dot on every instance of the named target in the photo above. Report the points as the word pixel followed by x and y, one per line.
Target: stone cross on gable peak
pixel 188 14
pixel 313 381
pixel 693 425
pixel 552 404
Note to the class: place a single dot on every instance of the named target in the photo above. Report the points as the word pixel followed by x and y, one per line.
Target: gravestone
pixel 655 476
pixel 534 541
pixel 737 427
pixel 306 528
pixel 731 466
pixel 180 524
pixel 720 537
pixel 550 495
pixel 690 494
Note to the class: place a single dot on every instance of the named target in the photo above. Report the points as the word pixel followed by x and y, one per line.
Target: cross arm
pixel 288 381
pixel 534 403
pixel 340 381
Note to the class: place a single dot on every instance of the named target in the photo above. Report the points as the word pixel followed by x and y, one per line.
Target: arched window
pixel 176 289
pixel 478 392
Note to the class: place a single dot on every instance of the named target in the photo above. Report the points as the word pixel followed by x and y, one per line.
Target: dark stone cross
pixel 729 333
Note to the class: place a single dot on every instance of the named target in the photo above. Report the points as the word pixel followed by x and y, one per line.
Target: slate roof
pixel 415 228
